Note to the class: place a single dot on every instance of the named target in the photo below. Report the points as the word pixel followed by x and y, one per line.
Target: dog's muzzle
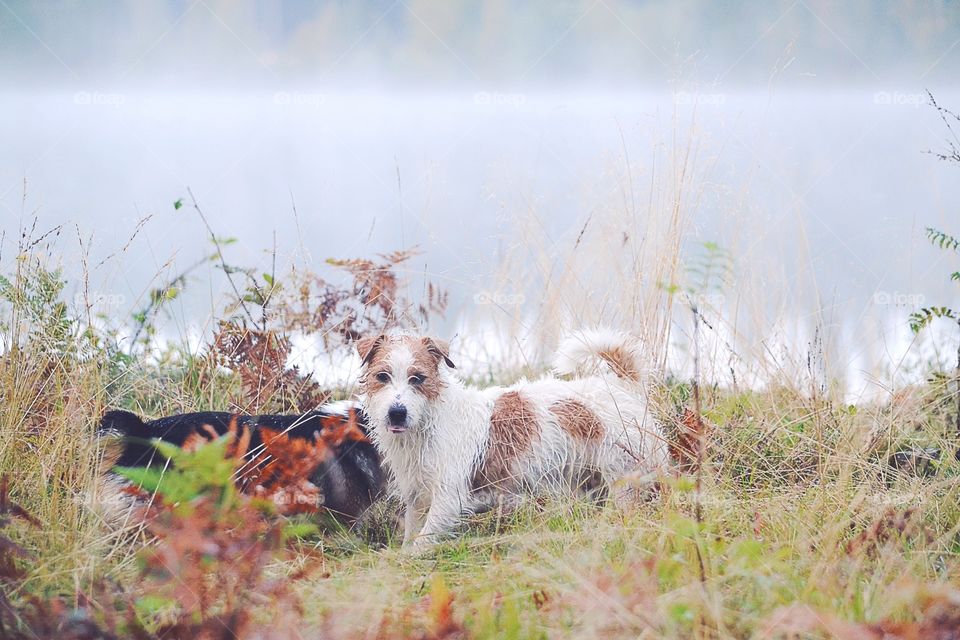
pixel 397 418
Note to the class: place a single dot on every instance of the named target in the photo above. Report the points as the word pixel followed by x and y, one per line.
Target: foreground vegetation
pixel 793 514
pixel 789 521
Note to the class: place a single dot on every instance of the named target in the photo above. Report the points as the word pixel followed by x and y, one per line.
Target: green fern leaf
pixel 169 451
pixel 147 478
pixel 919 320
pixel 942 240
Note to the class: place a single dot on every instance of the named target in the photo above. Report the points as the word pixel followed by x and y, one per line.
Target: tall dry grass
pixel 795 521
pixel 55 382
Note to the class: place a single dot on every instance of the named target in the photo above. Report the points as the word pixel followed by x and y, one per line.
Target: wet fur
pixel 462 445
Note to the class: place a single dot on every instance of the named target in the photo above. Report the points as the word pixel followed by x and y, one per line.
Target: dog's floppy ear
pixel 439 349
pixel 367 348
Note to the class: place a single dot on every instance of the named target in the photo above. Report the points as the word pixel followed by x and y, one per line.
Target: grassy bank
pixel 795 517
pixel 792 523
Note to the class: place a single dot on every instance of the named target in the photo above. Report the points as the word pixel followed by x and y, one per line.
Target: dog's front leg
pixel 413 512
pixel 442 518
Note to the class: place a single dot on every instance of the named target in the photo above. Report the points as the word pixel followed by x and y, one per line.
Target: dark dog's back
pixel 350 479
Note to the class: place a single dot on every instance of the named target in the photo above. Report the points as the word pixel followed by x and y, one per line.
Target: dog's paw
pixel 419 547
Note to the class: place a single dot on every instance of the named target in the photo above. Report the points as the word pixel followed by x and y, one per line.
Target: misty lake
pixel 826 196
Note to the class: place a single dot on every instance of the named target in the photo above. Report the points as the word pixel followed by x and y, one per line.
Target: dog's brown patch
pixel 577 420
pixel 369 383
pixel 513 429
pixel 367 347
pixel 621 362
pixel 373 353
pixel 428 353
pixel 426 364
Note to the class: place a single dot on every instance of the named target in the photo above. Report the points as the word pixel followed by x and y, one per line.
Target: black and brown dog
pixel 346 471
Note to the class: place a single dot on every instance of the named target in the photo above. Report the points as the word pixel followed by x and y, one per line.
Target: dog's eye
pixel 383 377
pixel 417 379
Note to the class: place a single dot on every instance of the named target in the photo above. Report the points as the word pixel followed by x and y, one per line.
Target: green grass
pixel 769 539
pixel 577 570
pixel 795 508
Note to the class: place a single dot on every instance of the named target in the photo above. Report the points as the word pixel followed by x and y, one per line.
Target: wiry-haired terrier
pixel 451 447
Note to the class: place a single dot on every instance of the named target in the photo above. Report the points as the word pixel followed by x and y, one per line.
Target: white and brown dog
pixel 451 447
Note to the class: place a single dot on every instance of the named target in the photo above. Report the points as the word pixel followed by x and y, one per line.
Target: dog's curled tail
pixel 586 352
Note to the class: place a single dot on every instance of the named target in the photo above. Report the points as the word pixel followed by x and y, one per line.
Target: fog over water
pixel 810 149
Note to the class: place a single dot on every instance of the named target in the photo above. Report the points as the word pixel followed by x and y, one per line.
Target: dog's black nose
pixel 398 415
